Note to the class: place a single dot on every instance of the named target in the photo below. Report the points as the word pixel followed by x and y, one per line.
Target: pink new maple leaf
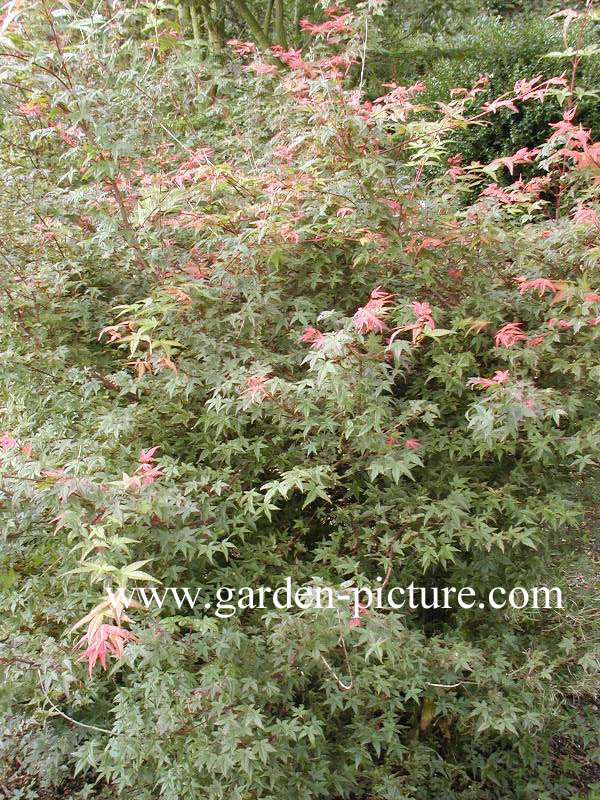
pixel 355 621
pixel 329 28
pixel 590 156
pixel 535 341
pixel 368 318
pixel 379 300
pixel 584 215
pixel 7 441
pixel 422 310
pixel 30 109
pixel 429 243
pixel 394 206
pixel 261 68
pixel 500 376
pixel 243 48
pixel 314 337
pixel 522 156
pixel 149 473
pixel 365 321
pixel 424 316
pixel 454 172
pixel 289 234
pixel 284 152
pixel 27 449
pixel 147 456
pixel 510 334
pixel 491 108
pixel 493 190
pixel 561 323
pixel 113 332
pixel 538 284
pixel 291 58
pixel 103 640
pixel 400 95
pixel 532 89
pixel 255 387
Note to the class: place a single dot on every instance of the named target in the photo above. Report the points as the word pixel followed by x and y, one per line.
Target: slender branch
pixel 57 43
pixel 16 660
pixel 344 647
pixel 364 53
pixel 445 685
pixel 340 682
pixel 132 238
pixel 449 685
pixel 108 384
pixel 56 378
pixel 389 569
pixel 62 714
pixel 23 57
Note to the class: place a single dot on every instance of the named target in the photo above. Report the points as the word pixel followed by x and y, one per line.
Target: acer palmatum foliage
pixel 242 305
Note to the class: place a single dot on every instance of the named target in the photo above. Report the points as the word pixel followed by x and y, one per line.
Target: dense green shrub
pixel 507 50
pixel 347 375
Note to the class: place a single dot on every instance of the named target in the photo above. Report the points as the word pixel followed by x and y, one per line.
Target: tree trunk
pixel 183 14
pixel 214 37
pixel 267 22
pixel 252 23
pixel 195 25
pixel 218 18
pixel 279 24
pixel 296 23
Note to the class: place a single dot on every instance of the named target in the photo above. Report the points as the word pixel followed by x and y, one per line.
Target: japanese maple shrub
pixel 250 341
